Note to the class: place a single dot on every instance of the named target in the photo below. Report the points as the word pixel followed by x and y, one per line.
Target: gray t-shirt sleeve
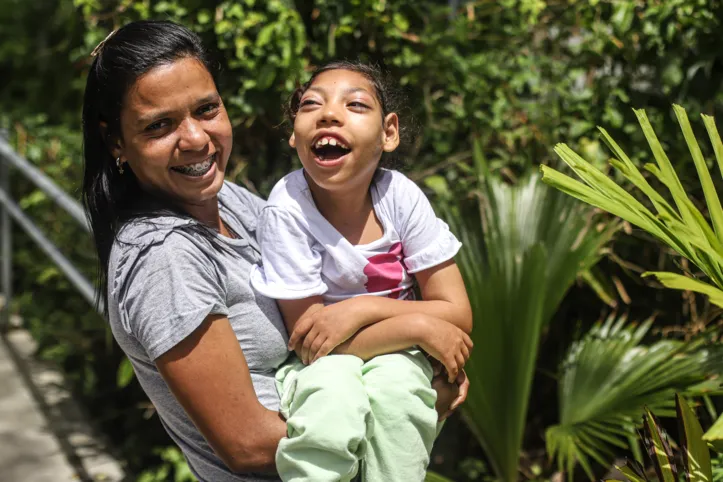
pixel 168 292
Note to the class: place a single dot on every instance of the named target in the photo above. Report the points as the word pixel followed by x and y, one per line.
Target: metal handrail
pixel 9 209
pixel 44 183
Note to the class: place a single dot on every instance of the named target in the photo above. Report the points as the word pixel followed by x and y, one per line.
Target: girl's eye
pixel 358 105
pixel 308 102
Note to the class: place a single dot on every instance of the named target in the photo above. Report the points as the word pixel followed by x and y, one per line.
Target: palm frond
pixel 609 377
pixel 680 225
pixel 524 246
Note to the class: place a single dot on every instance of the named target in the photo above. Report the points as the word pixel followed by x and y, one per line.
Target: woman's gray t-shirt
pixel 163 281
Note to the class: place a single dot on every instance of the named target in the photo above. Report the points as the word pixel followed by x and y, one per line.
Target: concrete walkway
pixel 44 436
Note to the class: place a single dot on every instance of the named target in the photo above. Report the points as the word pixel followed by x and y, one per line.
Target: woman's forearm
pixel 386 336
pixel 259 447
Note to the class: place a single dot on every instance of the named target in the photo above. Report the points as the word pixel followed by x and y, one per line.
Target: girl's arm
pixel 442 340
pixel 443 296
pixel 209 376
pixel 316 330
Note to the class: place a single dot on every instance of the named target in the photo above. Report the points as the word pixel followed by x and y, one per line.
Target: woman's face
pixel 175 133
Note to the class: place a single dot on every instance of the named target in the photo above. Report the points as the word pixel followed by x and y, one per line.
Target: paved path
pixel 43 435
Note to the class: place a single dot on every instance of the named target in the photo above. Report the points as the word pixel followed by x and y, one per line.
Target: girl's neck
pixel 342 207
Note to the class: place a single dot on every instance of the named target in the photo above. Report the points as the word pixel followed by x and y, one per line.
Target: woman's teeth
pixel 330 141
pixel 198 169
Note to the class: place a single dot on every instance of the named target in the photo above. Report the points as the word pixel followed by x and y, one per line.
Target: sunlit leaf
pixel 695 451
pixel 520 242
pixel 714 435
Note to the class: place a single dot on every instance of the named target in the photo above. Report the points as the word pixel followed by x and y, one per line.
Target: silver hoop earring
pixel 119 165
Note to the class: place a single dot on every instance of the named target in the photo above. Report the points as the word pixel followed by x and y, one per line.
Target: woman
pixel 176 245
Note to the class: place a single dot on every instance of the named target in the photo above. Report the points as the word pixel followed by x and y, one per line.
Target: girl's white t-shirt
pixel 303 255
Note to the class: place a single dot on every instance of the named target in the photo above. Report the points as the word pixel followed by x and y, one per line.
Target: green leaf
pixel 711 197
pixel 659 450
pixel 695 451
pixel 204 17
pixel 631 474
pixel 685 230
pixel 714 435
pixel 680 282
pixel 606 380
pixel 597 281
pixel 520 242
pixel 125 373
pixel 435 477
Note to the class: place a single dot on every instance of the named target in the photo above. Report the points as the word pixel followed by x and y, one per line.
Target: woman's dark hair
pixel 388 93
pixel 112 198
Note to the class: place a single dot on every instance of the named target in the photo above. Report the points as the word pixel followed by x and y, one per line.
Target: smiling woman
pixel 175 245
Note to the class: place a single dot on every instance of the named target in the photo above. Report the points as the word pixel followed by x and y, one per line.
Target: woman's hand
pixel 448 344
pixel 449 395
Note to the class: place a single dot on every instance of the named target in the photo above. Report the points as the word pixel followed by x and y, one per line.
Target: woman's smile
pixel 197 169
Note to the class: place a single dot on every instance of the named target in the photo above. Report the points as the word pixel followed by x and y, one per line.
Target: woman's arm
pixel 209 376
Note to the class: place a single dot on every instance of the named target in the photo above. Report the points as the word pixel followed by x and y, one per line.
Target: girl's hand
pixel 448 344
pixel 315 335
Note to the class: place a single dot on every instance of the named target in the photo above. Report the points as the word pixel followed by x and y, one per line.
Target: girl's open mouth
pixel 329 151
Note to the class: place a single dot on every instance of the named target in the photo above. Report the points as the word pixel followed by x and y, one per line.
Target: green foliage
pixel 682 226
pixel 606 380
pixel 173 463
pixel 714 436
pixel 521 242
pixel 696 461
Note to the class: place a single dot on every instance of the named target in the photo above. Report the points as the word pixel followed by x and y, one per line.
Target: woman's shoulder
pixel 146 244
pixel 145 232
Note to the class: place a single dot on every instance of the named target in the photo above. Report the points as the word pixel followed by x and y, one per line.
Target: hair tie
pixel 99 48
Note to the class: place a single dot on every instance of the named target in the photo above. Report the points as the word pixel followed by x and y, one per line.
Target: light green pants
pixel 340 411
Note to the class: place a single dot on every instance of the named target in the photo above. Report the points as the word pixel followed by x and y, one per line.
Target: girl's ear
pixel 113 143
pixel 292 141
pixel 391 132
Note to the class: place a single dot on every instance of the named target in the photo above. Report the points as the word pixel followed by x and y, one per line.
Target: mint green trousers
pixel 342 413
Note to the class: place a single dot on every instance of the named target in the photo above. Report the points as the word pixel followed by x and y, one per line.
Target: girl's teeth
pixel 330 141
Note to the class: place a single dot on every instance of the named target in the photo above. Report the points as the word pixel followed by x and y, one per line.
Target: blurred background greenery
pixel 560 359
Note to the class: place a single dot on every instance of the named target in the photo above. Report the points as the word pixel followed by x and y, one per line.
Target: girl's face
pixel 340 132
pixel 175 133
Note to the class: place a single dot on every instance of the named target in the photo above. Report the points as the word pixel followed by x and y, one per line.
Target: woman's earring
pixel 119 165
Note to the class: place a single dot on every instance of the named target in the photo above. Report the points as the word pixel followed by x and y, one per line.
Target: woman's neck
pixel 206 213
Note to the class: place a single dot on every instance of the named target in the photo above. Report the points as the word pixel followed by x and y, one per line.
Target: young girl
pixel 340 228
